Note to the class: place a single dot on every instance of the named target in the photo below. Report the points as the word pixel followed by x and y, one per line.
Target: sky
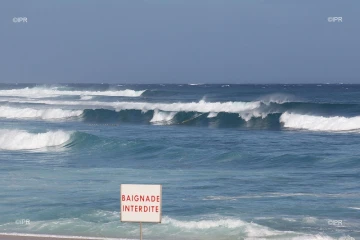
pixel 179 41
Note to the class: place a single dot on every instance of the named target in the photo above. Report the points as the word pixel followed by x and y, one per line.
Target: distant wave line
pixel 42 92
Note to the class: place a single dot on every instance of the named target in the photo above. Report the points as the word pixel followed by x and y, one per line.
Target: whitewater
pixel 45 92
pixel 23 140
pixel 165 112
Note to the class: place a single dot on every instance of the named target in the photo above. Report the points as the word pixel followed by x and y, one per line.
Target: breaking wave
pixel 84 97
pixel 157 117
pixel 52 236
pixel 45 114
pixel 23 140
pixel 201 106
pixel 162 117
pixel 43 92
pixel 212 115
pixel 255 114
pixel 248 119
pixel 320 123
pixel 277 98
pixel 104 225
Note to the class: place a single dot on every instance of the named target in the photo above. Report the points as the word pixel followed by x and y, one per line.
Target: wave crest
pixel 319 123
pixel 162 117
pixel 201 106
pixel 22 140
pixel 42 92
pixel 45 114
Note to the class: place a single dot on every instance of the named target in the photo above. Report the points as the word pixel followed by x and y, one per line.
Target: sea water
pixel 235 161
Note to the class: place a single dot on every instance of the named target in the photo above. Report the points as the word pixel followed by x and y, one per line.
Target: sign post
pixel 141 231
pixel 140 203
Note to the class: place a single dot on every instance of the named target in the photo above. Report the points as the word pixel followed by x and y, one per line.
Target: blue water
pixel 235 161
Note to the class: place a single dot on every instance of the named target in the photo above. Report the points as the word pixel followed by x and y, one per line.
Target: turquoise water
pixel 235 161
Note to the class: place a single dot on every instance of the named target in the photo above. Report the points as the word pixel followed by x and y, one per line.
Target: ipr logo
pixel 335 19
pixel 337 223
pixel 20 20
pixel 23 221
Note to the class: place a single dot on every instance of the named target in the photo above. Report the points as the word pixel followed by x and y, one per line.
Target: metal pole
pixel 140 231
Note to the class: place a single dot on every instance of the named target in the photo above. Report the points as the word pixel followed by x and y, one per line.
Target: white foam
pixel 279 195
pixel 319 123
pixel 256 113
pixel 289 219
pixel 251 230
pixel 84 97
pixel 201 106
pixel 161 117
pixel 355 208
pixel 313 237
pixel 204 224
pixel 277 98
pixel 45 114
pixel 346 238
pixel 212 114
pixel 310 220
pixel 207 227
pixel 58 236
pixel 42 92
pixel 22 140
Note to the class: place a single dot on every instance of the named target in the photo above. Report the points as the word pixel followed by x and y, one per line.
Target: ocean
pixel 277 161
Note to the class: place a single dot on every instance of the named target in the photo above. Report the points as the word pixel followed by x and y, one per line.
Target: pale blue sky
pixel 180 41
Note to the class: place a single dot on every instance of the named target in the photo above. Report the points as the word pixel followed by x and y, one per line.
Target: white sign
pixel 140 203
